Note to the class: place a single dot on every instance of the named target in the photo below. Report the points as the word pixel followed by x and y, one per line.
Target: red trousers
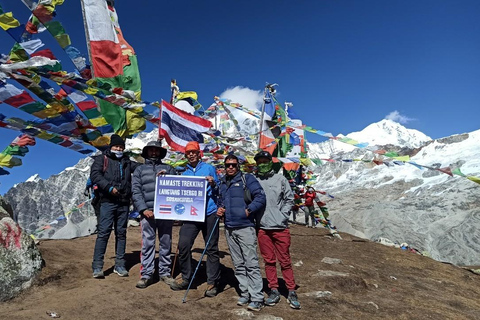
pixel 275 245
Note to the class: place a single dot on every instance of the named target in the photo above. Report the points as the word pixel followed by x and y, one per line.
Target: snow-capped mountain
pixel 430 210
pixel 34 178
pixel 390 132
pixel 384 132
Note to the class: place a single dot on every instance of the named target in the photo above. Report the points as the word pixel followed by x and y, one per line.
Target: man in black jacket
pixel 111 172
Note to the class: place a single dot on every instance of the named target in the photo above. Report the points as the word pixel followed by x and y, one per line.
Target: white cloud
pixel 247 97
pixel 397 117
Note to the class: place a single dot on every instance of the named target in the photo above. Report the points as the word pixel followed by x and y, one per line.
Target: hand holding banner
pixel 180 198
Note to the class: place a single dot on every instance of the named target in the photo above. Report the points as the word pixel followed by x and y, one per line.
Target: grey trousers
pixel 242 243
pixel 310 212
pixel 149 230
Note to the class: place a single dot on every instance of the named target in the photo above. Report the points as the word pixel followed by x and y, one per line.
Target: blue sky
pixel 344 64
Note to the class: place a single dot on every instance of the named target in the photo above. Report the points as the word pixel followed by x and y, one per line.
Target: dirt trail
pixel 371 282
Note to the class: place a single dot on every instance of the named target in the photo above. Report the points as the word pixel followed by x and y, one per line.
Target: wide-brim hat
pixel 154 144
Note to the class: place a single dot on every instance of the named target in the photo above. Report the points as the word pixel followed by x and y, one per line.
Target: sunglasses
pixel 231 165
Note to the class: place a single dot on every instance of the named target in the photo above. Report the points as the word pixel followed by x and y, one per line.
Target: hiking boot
pixel 143 283
pixel 98 274
pixel 211 291
pixel 121 271
pixel 255 306
pixel 132 223
pixel 293 300
pixel 242 301
pixel 176 286
pixel 273 298
pixel 167 279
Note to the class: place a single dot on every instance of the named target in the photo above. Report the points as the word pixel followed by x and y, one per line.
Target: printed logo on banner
pixel 193 211
pixel 179 208
pixel 165 209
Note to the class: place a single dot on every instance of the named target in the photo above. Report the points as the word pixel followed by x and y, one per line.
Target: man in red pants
pixel 273 234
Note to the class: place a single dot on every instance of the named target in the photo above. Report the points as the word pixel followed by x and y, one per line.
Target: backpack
pixel 247 195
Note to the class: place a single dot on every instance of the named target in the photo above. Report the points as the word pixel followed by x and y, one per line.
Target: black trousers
pixel 188 234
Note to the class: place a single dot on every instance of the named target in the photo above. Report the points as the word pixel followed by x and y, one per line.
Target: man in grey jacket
pixel 143 189
pixel 273 234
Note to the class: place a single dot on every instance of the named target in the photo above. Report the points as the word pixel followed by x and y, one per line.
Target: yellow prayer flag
pixel 63 40
pixel 100 141
pixel 402 158
pixel 91 91
pixel 187 94
pixel 45 136
pixel 305 161
pixel 250 159
pixel 98 122
pixel 135 123
pixel 7 21
pixel 474 179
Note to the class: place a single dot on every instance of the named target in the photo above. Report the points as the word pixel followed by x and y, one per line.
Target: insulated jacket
pixel 232 198
pixel 279 201
pixel 309 197
pixel 143 183
pixel 202 170
pixel 109 172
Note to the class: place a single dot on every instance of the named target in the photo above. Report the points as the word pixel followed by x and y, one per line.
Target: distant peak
pixel 34 178
pixel 390 132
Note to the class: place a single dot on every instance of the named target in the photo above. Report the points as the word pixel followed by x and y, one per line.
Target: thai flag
pixel 165 209
pixel 179 127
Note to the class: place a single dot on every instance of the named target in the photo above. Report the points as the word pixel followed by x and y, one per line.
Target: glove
pixel 86 193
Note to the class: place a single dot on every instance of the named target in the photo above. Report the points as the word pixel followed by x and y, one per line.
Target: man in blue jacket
pixel 190 229
pixel 242 198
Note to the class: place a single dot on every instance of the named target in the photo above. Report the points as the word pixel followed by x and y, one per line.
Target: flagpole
pixel 160 137
pixel 216 110
pixel 87 38
pixel 261 119
pixel 173 86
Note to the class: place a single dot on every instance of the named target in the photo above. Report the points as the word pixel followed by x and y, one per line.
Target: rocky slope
pixel 427 209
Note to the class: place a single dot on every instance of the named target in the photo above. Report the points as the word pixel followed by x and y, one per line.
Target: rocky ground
pixel 347 278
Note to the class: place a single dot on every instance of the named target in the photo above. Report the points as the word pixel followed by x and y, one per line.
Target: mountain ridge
pixel 424 198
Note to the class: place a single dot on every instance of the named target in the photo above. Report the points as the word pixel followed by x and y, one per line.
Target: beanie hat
pixel 192 146
pixel 116 140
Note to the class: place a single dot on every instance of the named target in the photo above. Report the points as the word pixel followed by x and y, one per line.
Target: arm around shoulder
pixel 259 198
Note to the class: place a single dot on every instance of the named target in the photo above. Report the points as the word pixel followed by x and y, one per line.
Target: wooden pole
pixel 261 119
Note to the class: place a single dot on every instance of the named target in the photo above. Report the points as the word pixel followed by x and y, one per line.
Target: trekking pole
pixel 176 255
pixel 175 260
pixel 201 258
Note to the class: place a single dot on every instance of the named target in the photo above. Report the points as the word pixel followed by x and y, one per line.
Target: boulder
pixel 20 260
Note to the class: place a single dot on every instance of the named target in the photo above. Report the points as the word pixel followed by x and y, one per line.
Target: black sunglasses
pixel 231 165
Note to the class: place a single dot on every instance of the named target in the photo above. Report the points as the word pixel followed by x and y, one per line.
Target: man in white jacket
pixel 273 234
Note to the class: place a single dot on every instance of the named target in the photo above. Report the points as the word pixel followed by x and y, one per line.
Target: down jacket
pixel 143 183
pixel 232 198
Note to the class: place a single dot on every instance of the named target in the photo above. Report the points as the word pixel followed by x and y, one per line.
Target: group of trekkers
pixel 254 208
pixel 308 206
